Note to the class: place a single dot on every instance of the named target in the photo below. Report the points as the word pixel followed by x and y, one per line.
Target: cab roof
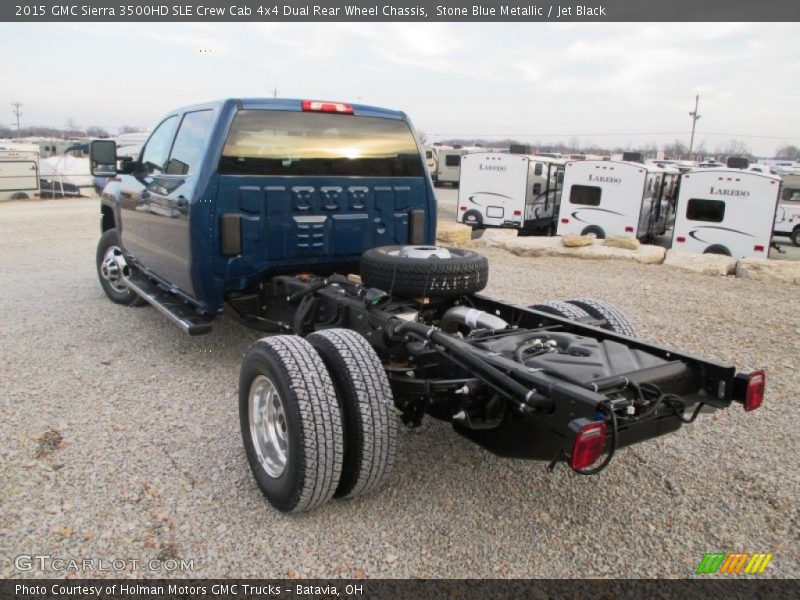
pixel 290 104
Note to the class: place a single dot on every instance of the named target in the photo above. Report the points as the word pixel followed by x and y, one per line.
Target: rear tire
pixel 717 249
pixel 563 309
pixel 598 232
pixel 795 237
pixel 367 406
pixel 291 424
pixel 460 273
pixel 615 319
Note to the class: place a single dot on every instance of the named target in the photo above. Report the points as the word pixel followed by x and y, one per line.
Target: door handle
pixel 145 194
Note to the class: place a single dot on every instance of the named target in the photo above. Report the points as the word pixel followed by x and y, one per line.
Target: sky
pixel 610 84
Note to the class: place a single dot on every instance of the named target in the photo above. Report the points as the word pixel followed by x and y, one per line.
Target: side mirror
pixel 103 157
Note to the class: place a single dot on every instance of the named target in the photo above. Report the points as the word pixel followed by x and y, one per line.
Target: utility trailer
pixel 448 165
pixel 729 211
pixel 511 191
pixel 604 197
pixel 19 175
pixel 315 222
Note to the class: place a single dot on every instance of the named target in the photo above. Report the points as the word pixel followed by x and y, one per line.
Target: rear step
pixel 177 311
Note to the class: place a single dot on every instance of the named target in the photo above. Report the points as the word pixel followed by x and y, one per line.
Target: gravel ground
pixel 121 439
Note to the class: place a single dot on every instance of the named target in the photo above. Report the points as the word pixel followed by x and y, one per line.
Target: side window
pixel 428 154
pixel 189 142
pixel 588 195
pixel 537 188
pixel 791 194
pixel 537 170
pixel 711 211
pixel 155 153
pixel 452 160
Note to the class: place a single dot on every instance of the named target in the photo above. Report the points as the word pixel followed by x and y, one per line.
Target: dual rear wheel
pixel 317 418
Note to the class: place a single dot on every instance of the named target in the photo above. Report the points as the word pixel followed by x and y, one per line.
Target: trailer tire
pixel 367 407
pixel 296 458
pixel 615 319
pixel 473 218
pixel 117 292
pixel 459 273
pixel 795 237
pixel 717 249
pixel 597 231
pixel 562 309
pixel 20 196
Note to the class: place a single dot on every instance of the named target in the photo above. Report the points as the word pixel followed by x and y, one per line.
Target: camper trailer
pixel 448 165
pixel 603 198
pixel 510 190
pixel 727 211
pixel 787 217
pixel 19 175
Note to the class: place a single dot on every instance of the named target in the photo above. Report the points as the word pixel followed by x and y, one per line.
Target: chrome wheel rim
pixel 111 269
pixel 268 428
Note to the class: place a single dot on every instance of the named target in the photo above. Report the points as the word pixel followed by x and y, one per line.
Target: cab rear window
pixel 262 142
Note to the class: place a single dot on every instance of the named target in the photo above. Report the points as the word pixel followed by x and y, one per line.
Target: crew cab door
pixel 136 189
pixel 171 196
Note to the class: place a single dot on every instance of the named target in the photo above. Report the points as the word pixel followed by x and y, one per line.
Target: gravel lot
pixel 121 439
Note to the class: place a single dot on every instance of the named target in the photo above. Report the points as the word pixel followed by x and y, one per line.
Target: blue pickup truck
pixel 315 222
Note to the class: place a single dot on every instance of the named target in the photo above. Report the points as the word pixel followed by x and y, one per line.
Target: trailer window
pixel 537 170
pixel 428 154
pixel 711 211
pixel 264 142
pixel 452 160
pixel 588 195
pixel 791 195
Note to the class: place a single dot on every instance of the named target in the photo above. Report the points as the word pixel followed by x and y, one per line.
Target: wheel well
pixel 106 218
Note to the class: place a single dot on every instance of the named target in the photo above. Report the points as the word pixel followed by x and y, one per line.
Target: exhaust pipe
pixel 472 318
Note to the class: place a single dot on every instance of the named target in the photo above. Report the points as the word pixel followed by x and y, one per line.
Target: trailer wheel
pixel 290 422
pixel 473 218
pixel 615 319
pixel 20 196
pixel 597 231
pixel 110 264
pixel 717 249
pixel 367 406
pixel 562 309
pixel 430 271
pixel 795 237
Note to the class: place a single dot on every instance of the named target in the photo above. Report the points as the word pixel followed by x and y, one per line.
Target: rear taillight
pixel 680 239
pixel 463 208
pixel 517 213
pixel 755 390
pixel 588 444
pixel 758 248
pixel 565 221
pixel 329 107
pixel 629 229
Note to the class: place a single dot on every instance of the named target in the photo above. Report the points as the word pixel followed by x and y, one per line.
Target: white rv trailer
pixel 726 211
pixel 19 175
pixel 509 190
pixel 606 197
pixel 787 217
pixel 448 165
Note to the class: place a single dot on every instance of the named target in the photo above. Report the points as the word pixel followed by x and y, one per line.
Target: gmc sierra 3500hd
pixel 316 221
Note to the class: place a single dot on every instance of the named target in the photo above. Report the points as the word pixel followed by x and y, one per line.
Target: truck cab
pixel 223 194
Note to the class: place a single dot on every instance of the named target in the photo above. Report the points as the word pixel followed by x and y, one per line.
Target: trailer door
pixel 18 177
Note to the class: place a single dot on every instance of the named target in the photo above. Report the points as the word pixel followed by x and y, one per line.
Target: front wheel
pixel 110 268
pixel 291 424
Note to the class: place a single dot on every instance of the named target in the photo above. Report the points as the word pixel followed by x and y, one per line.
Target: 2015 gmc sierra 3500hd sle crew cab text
pixel 316 221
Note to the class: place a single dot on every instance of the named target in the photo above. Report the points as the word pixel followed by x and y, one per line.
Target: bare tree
pixel 734 148
pixel 788 152
pixel 129 129
pixel 422 137
pixel 97 132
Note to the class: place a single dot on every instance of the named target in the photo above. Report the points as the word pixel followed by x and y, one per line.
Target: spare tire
pixel 429 271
